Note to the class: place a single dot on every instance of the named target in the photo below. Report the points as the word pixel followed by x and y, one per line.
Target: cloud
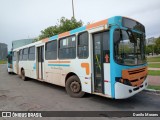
pixel 22 19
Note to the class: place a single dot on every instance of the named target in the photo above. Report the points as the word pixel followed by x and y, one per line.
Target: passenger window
pixel 25 53
pixel 67 48
pixel 51 50
pixel 31 55
pixel 83 45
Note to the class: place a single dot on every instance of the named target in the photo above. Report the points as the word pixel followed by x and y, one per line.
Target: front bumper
pixel 123 91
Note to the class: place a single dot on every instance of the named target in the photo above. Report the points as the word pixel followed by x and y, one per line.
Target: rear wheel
pixel 73 87
pixel 23 75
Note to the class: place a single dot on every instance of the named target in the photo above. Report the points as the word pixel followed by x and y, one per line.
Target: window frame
pixel 83 45
pixel 24 54
pixel 67 47
pixel 31 53
pixel 52 51
pixel 20 55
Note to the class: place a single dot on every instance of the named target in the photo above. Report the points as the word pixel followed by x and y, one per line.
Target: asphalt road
pixel 32 95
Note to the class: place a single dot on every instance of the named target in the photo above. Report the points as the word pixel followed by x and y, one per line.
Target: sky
pixel 23 19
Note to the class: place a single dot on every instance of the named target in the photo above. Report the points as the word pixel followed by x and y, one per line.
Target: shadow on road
pixel 139 99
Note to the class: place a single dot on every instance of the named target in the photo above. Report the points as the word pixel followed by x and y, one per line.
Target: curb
pixel 152 90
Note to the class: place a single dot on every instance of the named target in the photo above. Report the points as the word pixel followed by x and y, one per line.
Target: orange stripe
pixel 103 22
pixel 86 66
pixel 63 34
pixel 45 40
pixel 59 61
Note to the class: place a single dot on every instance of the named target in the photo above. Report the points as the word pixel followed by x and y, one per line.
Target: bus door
pixel 40 53
pixel 100 50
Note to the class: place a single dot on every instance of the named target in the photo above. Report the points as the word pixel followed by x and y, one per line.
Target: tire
pixel 73 87
pixel 23 77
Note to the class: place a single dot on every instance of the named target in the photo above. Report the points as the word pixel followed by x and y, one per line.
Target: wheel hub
pixel 75 86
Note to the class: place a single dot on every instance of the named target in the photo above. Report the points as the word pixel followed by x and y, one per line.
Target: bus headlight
pixel 123 81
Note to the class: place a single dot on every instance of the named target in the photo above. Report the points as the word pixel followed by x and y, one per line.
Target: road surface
pixel 32 95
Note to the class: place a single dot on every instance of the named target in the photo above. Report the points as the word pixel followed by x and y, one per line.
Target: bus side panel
pixel 107 79
pixel 14 67
pixel 26 67
pixel 82 68
pixel 32 69
pixel 52 72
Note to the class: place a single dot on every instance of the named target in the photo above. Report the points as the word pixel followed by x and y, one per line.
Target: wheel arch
pixel 21 70
pixel 69 80
pixel 69 75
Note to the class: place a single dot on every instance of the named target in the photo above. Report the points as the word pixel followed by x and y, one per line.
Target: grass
pixel 3 62
pixel 153 59
pixel 154 65
pixel 154 72
pixel 153 87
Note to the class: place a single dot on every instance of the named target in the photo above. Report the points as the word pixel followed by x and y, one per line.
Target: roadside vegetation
pixel 3 61
pixel 154 87
pixel 154 48
pixel 154 72
pixel 154 65
pixel 153 59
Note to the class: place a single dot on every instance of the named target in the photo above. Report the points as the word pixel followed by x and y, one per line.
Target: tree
pixel 63 25
pixel 151 49
pixel 157 46
pixel 148 50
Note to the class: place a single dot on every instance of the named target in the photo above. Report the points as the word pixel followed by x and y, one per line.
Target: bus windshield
pixel 129 47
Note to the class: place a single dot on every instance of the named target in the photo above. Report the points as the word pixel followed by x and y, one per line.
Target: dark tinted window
pixel 129 23
pixel 106 42
pixel 25 54
pixel 51 50
pixel 31 55
pixel 83 45
pixel 67 48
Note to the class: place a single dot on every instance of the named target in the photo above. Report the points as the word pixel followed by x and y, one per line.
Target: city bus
pixel 106 58
pixel 9 62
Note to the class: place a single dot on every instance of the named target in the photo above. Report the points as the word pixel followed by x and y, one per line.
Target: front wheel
pixel 73 87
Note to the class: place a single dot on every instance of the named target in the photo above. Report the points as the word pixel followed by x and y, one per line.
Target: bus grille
pixel 136 71
pixel 135 76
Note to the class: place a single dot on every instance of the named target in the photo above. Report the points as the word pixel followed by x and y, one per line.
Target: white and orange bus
pixel 106 58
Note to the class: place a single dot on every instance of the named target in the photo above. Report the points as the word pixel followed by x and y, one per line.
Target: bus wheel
pixel 73 87
pixel 23 75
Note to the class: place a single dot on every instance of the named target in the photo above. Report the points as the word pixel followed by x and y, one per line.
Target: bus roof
pixel 113 20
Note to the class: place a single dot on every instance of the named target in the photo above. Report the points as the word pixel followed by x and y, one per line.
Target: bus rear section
pixel 9 62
